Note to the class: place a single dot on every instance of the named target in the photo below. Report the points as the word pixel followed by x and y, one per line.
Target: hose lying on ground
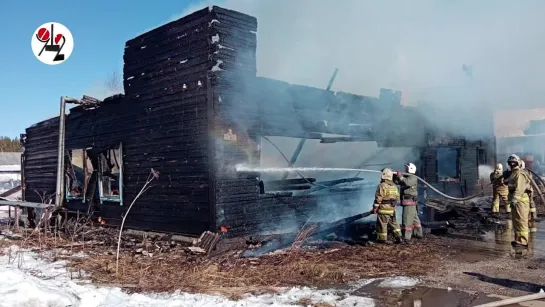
pixel 419 179
pixel 515 300
pixel 536 187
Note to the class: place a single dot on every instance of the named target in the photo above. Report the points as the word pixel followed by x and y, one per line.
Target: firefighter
pixel 499 190
pixel 519 198
pixel 410 226
pixel 533 212
pixel 386 198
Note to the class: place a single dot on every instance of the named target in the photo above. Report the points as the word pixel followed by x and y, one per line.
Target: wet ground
pixel 420 296
pixel 497 244
pixel 476 267
pixel 477 271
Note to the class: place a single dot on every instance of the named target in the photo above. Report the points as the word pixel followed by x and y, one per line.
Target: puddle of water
pixel 498 244
pixel 422 296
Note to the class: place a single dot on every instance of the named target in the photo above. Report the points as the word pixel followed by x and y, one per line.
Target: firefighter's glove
pixel 375 208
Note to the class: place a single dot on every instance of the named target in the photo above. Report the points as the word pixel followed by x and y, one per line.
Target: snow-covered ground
pixel 29 281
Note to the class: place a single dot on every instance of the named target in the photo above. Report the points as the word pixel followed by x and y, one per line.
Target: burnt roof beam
pixel 302 141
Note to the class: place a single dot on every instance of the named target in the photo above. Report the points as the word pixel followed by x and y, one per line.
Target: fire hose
pixel 534 185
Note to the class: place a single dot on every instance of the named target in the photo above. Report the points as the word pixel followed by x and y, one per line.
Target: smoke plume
pixel 425 49
pixel 465 59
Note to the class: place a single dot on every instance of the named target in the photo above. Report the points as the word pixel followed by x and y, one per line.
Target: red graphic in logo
pixel 51 45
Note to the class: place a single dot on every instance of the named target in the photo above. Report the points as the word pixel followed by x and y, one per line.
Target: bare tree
pixel 152 175
pixel 114 83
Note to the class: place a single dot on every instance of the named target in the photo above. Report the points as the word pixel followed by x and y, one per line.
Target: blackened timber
pixel 211 156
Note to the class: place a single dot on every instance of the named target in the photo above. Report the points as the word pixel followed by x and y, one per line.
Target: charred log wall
pixel 158 134
pixel 470 156
pixel 232 117
pixel 40 143
pixel 198 64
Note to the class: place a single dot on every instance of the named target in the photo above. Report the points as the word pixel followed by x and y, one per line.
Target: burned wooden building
pixel 193 109
pixel 530 146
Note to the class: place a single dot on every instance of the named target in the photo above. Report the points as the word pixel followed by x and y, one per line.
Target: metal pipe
pixel 515 300
pixel 25 204
pixel 60 155
pixel 59 194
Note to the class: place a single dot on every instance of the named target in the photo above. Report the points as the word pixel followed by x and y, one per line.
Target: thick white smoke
pixel 418 47
pixel 465 57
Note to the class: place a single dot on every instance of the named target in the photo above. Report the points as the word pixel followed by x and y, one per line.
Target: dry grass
pixel 232 276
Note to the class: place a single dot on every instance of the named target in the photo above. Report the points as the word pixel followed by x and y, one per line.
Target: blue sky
pixel 31 90
pixel 417 47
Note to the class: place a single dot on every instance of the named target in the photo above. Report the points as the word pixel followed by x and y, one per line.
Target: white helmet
pixel 499 168
pixel 410 168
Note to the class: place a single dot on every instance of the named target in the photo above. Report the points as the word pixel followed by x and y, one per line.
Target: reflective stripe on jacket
pixel 519 185
pixel 386 196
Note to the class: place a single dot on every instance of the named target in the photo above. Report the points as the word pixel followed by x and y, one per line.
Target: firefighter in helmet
pixel 533 212
pixel 499 190
pixel 386 198
pixel 411 226
pixel 518 185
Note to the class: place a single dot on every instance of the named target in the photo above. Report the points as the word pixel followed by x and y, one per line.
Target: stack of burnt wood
pixel 468 220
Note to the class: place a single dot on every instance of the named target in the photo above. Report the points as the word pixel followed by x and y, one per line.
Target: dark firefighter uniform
pixel 386 198
pixel 410 224
pixel 518 184
pixel 499 190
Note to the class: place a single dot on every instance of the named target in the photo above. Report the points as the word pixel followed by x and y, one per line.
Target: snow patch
pixel 20 290
pixel 41 283
pixel 399 282
pixel 143 47
pixel 215 38
pixel 184 61
pixel 212 22
pixel 219 98
pixel 253 32
pixel 142 74
pixel 210 8
pixel 217 66
pixel 130 78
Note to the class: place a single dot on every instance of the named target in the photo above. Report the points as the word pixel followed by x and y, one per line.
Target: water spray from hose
pixel 298 170
pixel 242 168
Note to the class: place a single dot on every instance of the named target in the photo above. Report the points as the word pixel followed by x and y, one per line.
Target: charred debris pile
pixel 470 220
